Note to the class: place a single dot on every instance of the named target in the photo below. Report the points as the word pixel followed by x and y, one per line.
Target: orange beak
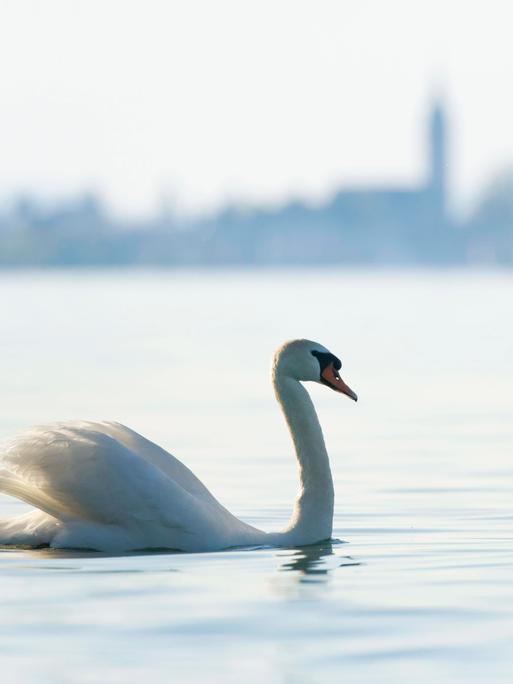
pixel 331 378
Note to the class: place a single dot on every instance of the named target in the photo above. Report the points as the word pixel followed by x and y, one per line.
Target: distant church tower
pixel 437 158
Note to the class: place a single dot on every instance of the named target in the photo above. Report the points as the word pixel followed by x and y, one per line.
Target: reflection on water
pixel 313 562
pixel 47 553
pixel 422 589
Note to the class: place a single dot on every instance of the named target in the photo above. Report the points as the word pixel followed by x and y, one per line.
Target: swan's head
pixel 305 361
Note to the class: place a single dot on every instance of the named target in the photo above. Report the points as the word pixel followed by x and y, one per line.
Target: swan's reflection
pixel 314 563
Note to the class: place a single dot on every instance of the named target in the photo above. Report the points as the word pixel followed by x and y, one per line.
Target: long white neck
pixel 312 518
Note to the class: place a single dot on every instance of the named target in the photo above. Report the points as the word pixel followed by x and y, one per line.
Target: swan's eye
pixel 325 358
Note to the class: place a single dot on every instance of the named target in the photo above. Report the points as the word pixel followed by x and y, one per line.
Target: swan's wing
pixel 74 474
pixel 154 454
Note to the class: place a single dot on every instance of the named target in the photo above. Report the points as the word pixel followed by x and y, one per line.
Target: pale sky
pixel 204 101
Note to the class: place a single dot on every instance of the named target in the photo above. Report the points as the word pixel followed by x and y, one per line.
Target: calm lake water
pixel 418 585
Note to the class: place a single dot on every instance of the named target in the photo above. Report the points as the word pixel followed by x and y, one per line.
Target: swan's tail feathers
pixel 34 529
pixel 19 489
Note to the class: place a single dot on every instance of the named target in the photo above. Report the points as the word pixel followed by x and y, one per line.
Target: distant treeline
pixel 356 227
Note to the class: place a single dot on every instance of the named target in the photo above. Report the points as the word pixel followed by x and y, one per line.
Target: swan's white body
pixel 103 486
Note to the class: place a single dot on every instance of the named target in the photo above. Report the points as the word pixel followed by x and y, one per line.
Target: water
pixel 420 585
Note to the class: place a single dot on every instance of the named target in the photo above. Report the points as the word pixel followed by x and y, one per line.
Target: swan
pixel 104 487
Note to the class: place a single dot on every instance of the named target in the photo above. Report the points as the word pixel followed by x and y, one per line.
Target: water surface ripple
pixel 417 584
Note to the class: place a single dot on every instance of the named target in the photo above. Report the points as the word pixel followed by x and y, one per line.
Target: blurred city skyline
pixel 387 224
pixel 199 105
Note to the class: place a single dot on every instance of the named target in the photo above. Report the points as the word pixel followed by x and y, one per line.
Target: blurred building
pixel 366 225
pixel 361 225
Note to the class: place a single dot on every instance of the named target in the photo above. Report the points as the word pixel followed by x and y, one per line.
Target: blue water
pixel 419 584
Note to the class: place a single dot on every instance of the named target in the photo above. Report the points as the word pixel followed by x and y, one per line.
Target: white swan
pixel 103 486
